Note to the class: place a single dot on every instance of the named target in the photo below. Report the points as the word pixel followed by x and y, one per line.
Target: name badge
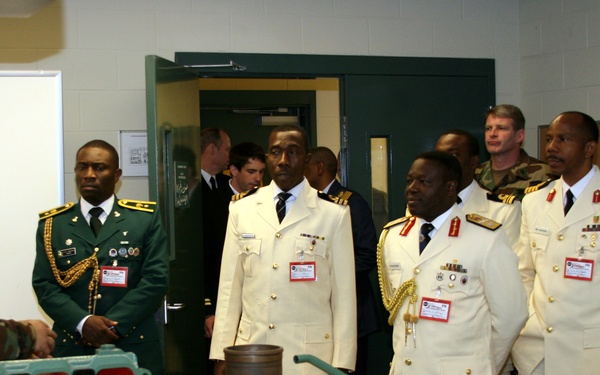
pixel 303 271
pixel 435 309
pixel 579 269
pixel 66 252
pixel 113 276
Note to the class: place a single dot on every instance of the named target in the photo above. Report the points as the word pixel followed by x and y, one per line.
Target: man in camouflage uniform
pixel 510 170
pixel 25 339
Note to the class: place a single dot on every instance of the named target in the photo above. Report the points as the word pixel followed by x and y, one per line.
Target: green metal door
pixel 173 119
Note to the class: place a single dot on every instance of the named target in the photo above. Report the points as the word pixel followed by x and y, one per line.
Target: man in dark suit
pixel 214 198
pixel 101 267
pixel 320 173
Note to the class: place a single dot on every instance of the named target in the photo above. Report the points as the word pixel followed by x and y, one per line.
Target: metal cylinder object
pixel 253 359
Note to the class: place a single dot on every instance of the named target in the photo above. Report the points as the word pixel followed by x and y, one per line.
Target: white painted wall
pixel 100 45
pixel 560 60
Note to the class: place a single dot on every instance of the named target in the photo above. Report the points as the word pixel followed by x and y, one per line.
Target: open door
pixel 173 119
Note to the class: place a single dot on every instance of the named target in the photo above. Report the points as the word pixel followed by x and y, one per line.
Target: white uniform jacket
pixel 564 322
pixel 487 301
pixel 259 303
pixel 507 214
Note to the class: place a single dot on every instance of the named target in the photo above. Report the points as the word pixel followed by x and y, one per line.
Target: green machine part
pixel 107 361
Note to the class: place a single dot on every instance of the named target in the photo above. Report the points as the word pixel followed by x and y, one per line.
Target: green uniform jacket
pixel 132 238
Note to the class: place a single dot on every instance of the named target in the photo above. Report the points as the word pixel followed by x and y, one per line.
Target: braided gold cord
pixel 393 301
pixel 73 274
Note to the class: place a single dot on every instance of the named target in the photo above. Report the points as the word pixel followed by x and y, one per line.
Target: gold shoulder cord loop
pixel 393 301
pixel 73 274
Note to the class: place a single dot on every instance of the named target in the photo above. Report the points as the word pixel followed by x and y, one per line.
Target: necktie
pixel 280 206
pixel 569 203
pixel 213 183
pixel 424 237
pixel 95 222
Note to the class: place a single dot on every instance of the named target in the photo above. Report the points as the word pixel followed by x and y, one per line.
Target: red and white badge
pixel 435 309
pixel 579 269
pixel 303 271
pixel 113 276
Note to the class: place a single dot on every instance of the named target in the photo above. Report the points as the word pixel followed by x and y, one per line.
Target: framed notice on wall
pixel 133 152
pixel 542 142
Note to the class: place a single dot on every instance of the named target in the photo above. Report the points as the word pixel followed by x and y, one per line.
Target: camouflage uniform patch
pixel 16 340
pixel 527 172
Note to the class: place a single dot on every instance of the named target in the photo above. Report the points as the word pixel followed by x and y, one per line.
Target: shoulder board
pixel 483 221
pixel 333 199
pixel 56 211
pixel 137 205
pixel 502 198
pixel 239 196
pixel 537 187
pixel 396 222
pixel 344 194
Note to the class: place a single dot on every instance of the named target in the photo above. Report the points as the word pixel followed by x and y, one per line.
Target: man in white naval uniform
pixel 558 251
pixel 291 282
pixel 504 209
pixel 458 306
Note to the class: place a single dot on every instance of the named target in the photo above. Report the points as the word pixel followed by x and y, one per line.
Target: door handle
pixel 170 307
pixel 175 306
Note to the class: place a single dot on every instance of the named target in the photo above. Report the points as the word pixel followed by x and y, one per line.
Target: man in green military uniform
pixel 101 266
pixel 510 170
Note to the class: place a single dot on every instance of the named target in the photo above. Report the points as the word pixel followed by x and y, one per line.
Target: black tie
pixel 95 222
pixel 280 206
pixel 569 203
pixel 424 237
pixel 213 183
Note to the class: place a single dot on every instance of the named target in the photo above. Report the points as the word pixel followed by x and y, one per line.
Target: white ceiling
pixel 21 8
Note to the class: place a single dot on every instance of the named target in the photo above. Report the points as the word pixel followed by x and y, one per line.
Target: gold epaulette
pixel 483 222
pixel 502 198
pixel 396 222
pixel 56 211
pixel 344 194
pixel 137 205
pixel 333 199
pixel 239 196
pixel 537 187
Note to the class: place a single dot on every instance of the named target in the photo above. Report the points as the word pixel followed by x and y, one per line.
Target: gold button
pixel 68 262
pixel 96 249
pixel 271 326
pixel 99 296
pixel 468 371
pixel 275 266
pixel 549 329
pixel 408 362
pixel 560 237
pixel 64 340
pixel 327 336
pixel 417 271
pixel 247 248
pixel 450 285
pixel 593 244
pixel 278 235
pixel 312 248
pixel 241 331
pixel 533 244
pixel 550 299
pixel 142 337
pixel 555 268
pixel 273 297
